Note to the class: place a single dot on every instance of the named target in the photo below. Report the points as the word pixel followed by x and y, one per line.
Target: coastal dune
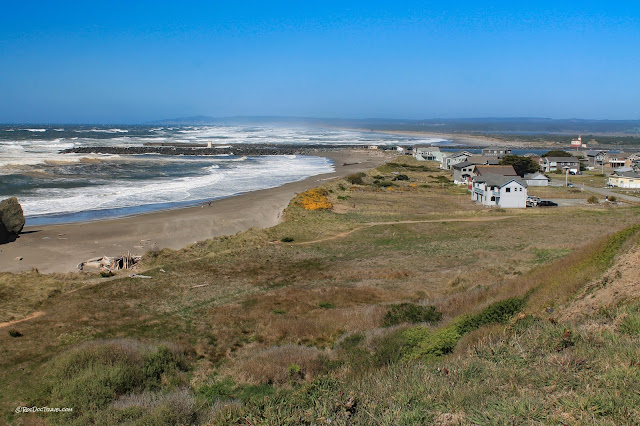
pixel 60 248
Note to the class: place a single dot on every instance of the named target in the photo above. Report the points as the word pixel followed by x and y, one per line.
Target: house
pixel 449 160
pixel 502 191
pixel 551 164
pixel 536 179
pixel 624 179
pixel 595 158
pixel 463 172
pixel 616 160
pixel 495 152
pixel 427 153
pixel 372 147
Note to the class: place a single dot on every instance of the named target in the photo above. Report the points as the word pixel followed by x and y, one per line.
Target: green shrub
pixel 279 311
pixel 15 333
pixel 380 177
pixel 499 312
pixel 383 184
pixel 326 305
pixel 613 198
pixel 342 187
pixel 93 375
pixel 159 362
pixel 422 342
pixel 352 341
pixel 343 197
pixel 411 313
pixel 287 239
pixel 355 178
pixel 401 177
pixel 592 200
pixel 226 389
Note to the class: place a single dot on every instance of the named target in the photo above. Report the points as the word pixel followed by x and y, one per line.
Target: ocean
pixel 59 188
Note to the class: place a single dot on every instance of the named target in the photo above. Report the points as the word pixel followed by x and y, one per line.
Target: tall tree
pixel 521 165
pixel 556 153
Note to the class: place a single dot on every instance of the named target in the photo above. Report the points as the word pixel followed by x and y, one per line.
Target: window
pixel 507 189
pixel 493 198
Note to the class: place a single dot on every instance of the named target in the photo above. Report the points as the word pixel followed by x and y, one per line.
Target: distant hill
pixel 444 125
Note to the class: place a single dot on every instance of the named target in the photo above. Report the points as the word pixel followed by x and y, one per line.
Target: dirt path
pixel 32 316
pixel 96 281
pixel 370 224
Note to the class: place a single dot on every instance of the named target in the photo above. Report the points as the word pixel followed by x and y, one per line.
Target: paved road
pixel 601 191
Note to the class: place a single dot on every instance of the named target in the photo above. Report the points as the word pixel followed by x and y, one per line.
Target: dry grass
pixel 21 294
pixel 233 298
pixel 279 365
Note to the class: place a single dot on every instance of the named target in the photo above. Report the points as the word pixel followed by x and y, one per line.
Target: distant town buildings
pixel 496 152
pixel 552 164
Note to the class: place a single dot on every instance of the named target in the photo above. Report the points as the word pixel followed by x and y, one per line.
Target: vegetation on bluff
pixel 403 306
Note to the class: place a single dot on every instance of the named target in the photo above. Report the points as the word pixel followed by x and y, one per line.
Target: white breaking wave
pixel 262 173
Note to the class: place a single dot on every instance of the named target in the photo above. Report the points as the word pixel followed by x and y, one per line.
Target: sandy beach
pixel 462 139
pixel 60 248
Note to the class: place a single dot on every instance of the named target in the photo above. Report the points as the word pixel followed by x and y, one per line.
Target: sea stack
pixel 11 220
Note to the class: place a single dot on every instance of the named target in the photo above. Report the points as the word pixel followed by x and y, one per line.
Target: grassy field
pixel 291 324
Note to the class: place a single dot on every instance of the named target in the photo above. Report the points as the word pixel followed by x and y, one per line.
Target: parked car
pixel 533 201
pixel 547 203
pixel 570 185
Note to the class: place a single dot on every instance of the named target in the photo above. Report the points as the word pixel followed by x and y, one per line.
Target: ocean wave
pixel 214 182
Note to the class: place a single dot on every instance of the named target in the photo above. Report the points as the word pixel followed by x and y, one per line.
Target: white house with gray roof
pixel 509 192
pixel 453 158
pixel 427 153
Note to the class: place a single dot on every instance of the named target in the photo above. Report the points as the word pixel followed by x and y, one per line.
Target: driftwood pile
pixel 105 263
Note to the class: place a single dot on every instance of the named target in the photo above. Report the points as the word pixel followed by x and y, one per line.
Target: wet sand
pixel 60 248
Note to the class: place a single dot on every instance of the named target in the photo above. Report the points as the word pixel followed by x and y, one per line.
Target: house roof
pixel 624 169
pixel 627 174
pixel 496 170
pixel 478 159
pixel 459 154
pixel 499 180
pixel 463 164
pixel 593 153
pixel 536 175
pixel 563 159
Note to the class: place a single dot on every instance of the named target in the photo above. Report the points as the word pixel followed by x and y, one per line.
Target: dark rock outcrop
pixel 11 219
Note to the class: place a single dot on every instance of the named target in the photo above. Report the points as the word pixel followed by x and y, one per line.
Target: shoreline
pixel 464 140
pixel 61 247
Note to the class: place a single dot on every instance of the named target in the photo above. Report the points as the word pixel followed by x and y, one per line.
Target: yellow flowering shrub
pixel 314 199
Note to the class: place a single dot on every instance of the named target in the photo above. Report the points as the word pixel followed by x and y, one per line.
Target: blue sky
pixel 126 62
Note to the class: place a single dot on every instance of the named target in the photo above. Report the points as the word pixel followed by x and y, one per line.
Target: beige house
pixel 624 179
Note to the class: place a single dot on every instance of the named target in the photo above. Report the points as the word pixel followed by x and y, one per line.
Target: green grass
pixel 411 313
